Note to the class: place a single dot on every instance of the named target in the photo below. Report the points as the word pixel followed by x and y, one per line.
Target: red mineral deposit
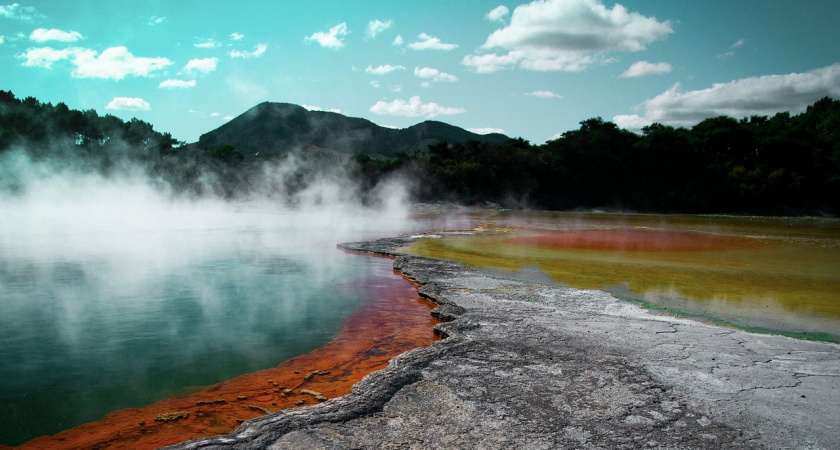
pixel 394 321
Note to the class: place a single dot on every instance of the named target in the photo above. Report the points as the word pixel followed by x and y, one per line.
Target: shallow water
pixel 92 320
pixel 779 275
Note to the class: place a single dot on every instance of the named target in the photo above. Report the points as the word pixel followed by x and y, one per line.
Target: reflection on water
pixel 768 274
pixel 92 321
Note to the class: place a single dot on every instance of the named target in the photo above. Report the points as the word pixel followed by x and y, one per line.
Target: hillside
pixel 276 128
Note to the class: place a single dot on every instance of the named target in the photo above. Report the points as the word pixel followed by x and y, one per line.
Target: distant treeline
pixel 766 165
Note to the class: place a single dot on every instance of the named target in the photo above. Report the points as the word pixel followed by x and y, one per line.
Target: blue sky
pixel 529 69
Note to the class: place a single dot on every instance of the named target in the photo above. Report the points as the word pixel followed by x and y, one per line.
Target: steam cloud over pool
pixel 115 293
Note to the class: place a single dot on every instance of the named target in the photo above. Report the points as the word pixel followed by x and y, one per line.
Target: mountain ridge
pixel 275 128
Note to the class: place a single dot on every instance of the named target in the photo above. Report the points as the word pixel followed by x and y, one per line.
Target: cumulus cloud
pixel 383 69
pixel 155 20
pixel 427 42
pixel 544 94
pixel 259 49
pixel 428 73
pixel 645 69
pixel 398 41
pixel 17 12
pixel 498 14
pixel 45 56
pixel 201 65
pixel 175 84
pixel 53 34
pixel 764 95
pixel 332 38
pixel 2 39
pixel 128 104
pixel 413 108
pixel 486 130
pixel 377 26
pixel 113 63
pixel 565 35
pixel 237 36
pixel 739 43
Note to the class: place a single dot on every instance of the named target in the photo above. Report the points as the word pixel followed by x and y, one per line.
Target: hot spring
pixel 112 298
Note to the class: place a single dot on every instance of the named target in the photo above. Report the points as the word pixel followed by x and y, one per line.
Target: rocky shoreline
pixel 526 365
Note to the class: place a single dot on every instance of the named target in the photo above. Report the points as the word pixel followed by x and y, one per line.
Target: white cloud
pixel 383 69
pixel 486 130
pixel 53 34
pixel 566 35
pixel 498 14
pixel 170 84
pixel 377 26
pixel 544 94
pixel 644 69
pixel 431 74
pixel 375 84
pixel 318 108
pixel 332 38
pixel 201 65
pixel 237 36
pixel 208 43
pixel 738 43
pixel 45 56
pixel 764 95
pixel 113 63
pixel 398 41
pixel 427 42
pixel 15 11
pixel 413 108
pixel 155 20
pixel 259 49
pixel 128 104
pixel 1 39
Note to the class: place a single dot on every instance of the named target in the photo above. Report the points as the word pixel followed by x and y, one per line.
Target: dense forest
pixel 783 164
pixel 767 165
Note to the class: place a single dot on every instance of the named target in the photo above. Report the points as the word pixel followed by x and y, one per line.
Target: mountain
pixel 276 128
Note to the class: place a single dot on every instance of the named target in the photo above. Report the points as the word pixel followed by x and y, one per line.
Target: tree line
pixel 784 164
pixel 766 165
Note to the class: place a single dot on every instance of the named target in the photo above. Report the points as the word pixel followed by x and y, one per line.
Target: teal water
pixel 97 318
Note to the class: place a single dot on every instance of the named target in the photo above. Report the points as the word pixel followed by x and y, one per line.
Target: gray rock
pixel 526 365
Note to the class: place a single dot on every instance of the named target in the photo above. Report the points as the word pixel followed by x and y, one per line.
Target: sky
pixel 526 69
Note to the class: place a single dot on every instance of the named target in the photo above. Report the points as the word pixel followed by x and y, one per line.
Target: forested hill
pixel 271 129
pixel 46 128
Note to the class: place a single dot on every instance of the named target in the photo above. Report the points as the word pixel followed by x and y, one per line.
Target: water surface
pixel 99 317
pixel 778 275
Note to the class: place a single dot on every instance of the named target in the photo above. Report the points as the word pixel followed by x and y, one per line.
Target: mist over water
pixel 117 292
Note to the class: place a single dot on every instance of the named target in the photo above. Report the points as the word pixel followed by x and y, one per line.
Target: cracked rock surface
pixel 526 365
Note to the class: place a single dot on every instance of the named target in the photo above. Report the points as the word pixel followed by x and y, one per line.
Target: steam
pixel 99 261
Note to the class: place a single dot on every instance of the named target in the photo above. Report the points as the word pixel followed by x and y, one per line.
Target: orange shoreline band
pixel 394 321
